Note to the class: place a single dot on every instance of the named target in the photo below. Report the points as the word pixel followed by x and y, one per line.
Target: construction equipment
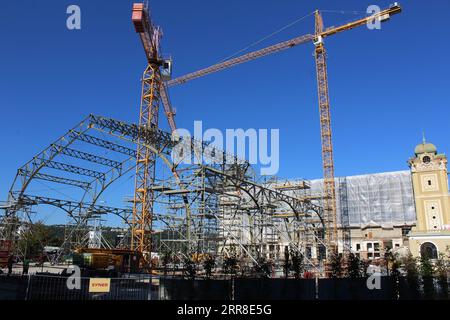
pixel 115 260
pixel 150 36
pixel 329 194
pixel 5 252
pixel 154 90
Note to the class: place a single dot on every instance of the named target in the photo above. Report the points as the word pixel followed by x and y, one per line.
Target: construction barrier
pixel 54 287
pixel 355 289
pixel 274 289
pixel 237 289
pixel 302 289
pixel 13 287
pixel 180 289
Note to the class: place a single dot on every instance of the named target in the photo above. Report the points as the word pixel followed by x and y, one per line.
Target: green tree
pixel 389 258
pixel 287 263
pixel 33 239
pixel 263 267
pixel 442 270
pixel 335 263
pixel 426 267
pixel 395 274
pixel 427 271
pixel 412 275
pixel 166 259
pixel 230 265
pixel 208 264
pixel 190 268
pixel 395 268
pixel 297 264
pixel 353 267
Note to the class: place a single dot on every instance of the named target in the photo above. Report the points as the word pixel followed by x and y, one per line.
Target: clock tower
pixel 431 235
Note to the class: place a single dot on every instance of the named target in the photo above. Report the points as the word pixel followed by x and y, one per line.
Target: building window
pixel 387 244
pixel 376 246
pixel 429 182
pixel 426 159
pixel 369 246
pixel 308 252
pixel 358 247
pixel 405 231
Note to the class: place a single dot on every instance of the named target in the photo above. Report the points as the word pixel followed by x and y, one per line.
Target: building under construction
pixel 194 209
pixel 216 209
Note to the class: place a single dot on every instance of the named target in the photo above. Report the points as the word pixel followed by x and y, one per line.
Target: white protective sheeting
pixel 381 199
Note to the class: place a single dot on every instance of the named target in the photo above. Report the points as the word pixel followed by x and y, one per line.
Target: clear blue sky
pixel 386 86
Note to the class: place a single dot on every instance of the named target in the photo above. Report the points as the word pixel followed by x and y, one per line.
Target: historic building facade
pixel 431 234
pixel 402 210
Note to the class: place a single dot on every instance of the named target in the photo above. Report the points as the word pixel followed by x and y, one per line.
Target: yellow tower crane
pixel 154 90
pixel 323 94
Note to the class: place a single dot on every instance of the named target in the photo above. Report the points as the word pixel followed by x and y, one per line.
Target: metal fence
pixel 303 289
pixel 139 287
pixel 49 287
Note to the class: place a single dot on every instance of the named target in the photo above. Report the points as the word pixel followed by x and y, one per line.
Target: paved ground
pixel 56 269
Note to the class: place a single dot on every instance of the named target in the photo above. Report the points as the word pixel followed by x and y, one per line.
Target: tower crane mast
pixel 329 192
pixel 143 201
pixel 154 91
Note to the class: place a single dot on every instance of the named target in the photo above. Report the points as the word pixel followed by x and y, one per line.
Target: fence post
pixel 149 296
pixel 232 288
pixel 28 286
pixel 317 287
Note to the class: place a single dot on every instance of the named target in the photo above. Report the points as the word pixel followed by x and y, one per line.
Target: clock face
pixel 426 159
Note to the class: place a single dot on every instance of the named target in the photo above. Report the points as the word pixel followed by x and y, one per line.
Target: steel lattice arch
pixel 218 208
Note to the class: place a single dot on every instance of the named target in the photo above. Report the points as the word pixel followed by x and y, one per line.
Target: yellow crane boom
pixel 382 16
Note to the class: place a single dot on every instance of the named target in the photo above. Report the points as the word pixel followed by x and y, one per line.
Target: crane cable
pixel 286 27
pixel 268 36
pixel 343 11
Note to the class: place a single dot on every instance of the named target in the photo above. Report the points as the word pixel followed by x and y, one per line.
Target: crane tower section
pixel 326 137
pixel 148 118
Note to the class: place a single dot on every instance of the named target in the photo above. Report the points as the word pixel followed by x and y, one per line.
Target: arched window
pixel 428 250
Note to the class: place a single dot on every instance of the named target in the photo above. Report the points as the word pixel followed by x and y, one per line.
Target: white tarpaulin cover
pixel 384 199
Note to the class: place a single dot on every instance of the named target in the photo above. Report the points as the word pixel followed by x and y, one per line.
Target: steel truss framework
pixel 233 215
pixel 211 205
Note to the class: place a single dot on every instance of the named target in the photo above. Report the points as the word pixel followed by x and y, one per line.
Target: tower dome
pixel 425 147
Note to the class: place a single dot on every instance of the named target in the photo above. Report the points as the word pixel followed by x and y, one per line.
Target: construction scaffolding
pixel 384 199
pixel 206 202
